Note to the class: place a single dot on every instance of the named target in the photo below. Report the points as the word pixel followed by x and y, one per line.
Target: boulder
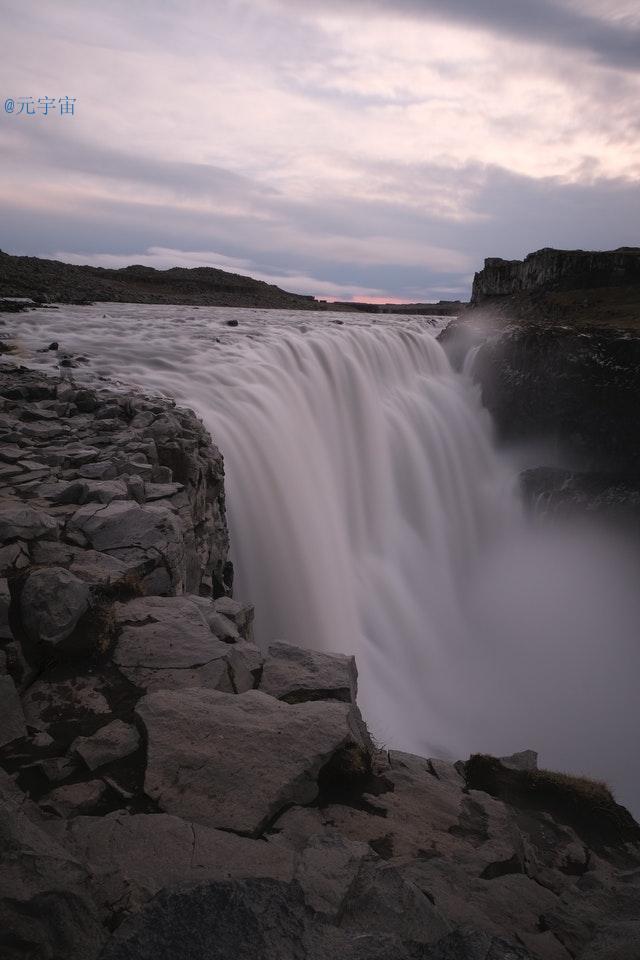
pixel 134 857
pixel 45 911
pixel 75 798
pixel 51 604
pixel 236 761
pixel 19 522
pixel 123 524
pixel 295 674
pixel 165 643
pixel 112 742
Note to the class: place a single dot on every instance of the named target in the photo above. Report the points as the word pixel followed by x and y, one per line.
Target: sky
pixel 350 149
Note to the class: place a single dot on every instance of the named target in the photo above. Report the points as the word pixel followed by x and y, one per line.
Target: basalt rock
pixel 169 789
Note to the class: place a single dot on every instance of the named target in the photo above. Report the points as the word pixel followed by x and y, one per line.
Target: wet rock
pixel 112 742
pixel 52 602
pixel 44 908
pixel 206 753
pixel 294 674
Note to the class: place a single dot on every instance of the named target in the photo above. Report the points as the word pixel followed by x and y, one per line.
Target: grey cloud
pixel 613 42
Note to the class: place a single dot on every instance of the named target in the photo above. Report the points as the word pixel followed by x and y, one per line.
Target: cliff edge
pixel 169 790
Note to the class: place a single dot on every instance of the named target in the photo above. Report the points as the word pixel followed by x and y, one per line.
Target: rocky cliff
pixel 168 790
pixel 550 269
pixel 578 287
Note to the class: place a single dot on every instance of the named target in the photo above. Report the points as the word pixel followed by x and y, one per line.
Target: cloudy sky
pixel 345 148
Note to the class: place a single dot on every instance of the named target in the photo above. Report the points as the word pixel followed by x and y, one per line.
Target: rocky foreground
pixel 169 790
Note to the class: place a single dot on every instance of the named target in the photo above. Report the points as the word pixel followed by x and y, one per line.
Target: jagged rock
pixel 248 919
pixel 242 615
pixel 206 754
pixel 44 908
pixel 245 663
pixel 123 524
pixel 12 725
pixel 52 602
pixel 112 742
pixel 19 522
pixel 327 868
pixel 166 643
pixel 294 674
pixel 134 857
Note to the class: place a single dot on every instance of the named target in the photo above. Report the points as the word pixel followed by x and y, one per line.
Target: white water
pixel 370 514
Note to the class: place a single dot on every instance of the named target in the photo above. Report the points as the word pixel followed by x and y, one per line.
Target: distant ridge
pixel 51 281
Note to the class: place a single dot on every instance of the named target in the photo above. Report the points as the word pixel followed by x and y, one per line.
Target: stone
pixel 12 724
pixel 100 470
pixel 75 798
pixel 249 919
pixel 5 603
pixel 525 760
pixel 112 742
pixel 294 674
pixel 57 768
pixel 136 488
pixel 245 664
pixel 45 911
pixel 135 856
pixel 207 750
pixel 52 701
pixel 165 643
pixel 242 615
pixel 51 604
pixel 19 522
pixel 123 524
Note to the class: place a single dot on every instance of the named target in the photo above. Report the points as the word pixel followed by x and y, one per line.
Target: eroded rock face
pixel 552 269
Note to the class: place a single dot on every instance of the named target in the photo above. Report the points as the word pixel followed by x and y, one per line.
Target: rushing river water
pixel 370 513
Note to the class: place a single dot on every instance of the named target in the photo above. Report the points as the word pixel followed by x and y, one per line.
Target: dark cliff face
pixel 579 389
pixel 550 269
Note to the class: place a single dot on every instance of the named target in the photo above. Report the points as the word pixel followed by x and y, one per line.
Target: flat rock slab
pixel 235 761
pixel 165 643
pixel 295 675
pixel 133 857
pixel 18 522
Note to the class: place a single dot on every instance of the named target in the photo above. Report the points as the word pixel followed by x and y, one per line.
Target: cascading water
pixel 371 514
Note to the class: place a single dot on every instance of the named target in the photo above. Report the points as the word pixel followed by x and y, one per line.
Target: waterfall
pixel 371 513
